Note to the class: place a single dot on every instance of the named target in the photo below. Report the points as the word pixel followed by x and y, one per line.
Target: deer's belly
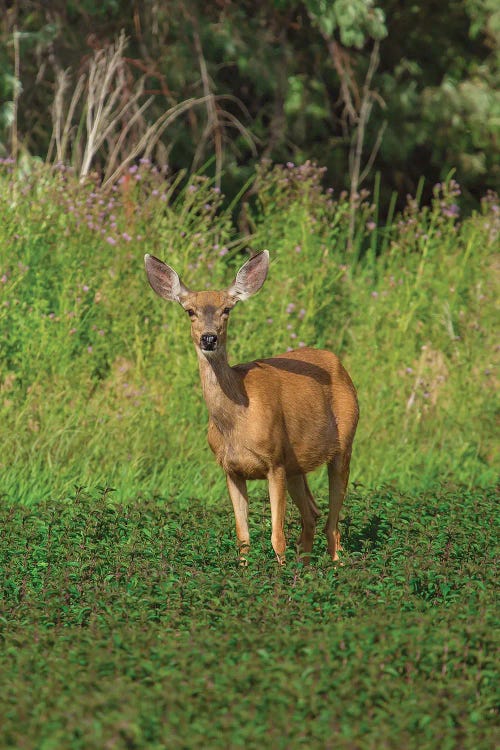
pixel 251 457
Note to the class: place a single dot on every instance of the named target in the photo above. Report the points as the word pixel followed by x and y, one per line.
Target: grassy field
pixel 99 383
pixel 125 622
pixel 130 626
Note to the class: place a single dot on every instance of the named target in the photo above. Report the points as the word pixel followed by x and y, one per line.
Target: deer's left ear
pixel 250 277
pixel 164 280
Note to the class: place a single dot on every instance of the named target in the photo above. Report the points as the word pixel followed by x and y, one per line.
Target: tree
pixel 279 79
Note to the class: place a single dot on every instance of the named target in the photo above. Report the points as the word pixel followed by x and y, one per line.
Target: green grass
pixel 130 626
pixel 98 378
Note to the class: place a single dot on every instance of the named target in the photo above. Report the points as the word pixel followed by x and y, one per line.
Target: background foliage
pixel 295 75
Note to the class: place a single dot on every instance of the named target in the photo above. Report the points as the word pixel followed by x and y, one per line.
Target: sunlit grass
pixel 98 379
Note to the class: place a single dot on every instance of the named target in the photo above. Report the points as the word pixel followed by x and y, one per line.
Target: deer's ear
pixel 164 280
pixel 250 277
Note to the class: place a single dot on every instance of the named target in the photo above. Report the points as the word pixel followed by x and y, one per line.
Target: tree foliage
pixel 293 76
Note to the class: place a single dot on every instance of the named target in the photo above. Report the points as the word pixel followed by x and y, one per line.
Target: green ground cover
pixel 130 626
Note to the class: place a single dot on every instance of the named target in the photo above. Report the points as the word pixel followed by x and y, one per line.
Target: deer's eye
pixel 191 313
pixel 226 311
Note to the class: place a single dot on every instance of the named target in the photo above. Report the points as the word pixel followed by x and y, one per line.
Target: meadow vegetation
pixel 130 626
pixel 99 381
pixel 125 621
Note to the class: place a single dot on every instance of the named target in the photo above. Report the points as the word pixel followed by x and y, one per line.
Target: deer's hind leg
pixel 303 499
pixel 338 476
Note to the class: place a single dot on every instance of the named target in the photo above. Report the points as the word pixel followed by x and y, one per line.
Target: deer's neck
pixel 223 390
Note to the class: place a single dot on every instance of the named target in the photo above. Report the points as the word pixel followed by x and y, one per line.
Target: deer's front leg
pixel 237 487
pixel 277 496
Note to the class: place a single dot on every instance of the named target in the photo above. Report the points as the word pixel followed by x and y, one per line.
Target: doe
pixel 274 419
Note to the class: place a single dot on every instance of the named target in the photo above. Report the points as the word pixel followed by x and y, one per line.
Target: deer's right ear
pixel 163 279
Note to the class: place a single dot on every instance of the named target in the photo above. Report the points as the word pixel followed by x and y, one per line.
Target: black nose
pixel 208 342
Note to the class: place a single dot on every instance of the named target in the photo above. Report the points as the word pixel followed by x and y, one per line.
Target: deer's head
pixel 208 311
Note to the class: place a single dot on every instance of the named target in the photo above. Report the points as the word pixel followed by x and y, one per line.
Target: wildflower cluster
pixel 445 199
pixel 420 225
pixel 183 217
pixel 281 185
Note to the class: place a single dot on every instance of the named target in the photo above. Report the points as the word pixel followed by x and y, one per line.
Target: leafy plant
pixel 131 625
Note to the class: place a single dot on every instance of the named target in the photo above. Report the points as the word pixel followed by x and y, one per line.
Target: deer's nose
pixel 208 342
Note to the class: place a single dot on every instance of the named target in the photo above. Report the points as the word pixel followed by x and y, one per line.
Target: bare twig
pixel 16 94
pixel 213 127
pixel 373 155
pixel 356 152
pixel 357 107
pixel 349 93
pixel 63 121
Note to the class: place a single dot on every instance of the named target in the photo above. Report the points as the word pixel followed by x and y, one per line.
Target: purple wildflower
pixel 451 211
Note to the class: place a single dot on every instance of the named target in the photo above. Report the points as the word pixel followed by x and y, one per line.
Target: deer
pixel 275 419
